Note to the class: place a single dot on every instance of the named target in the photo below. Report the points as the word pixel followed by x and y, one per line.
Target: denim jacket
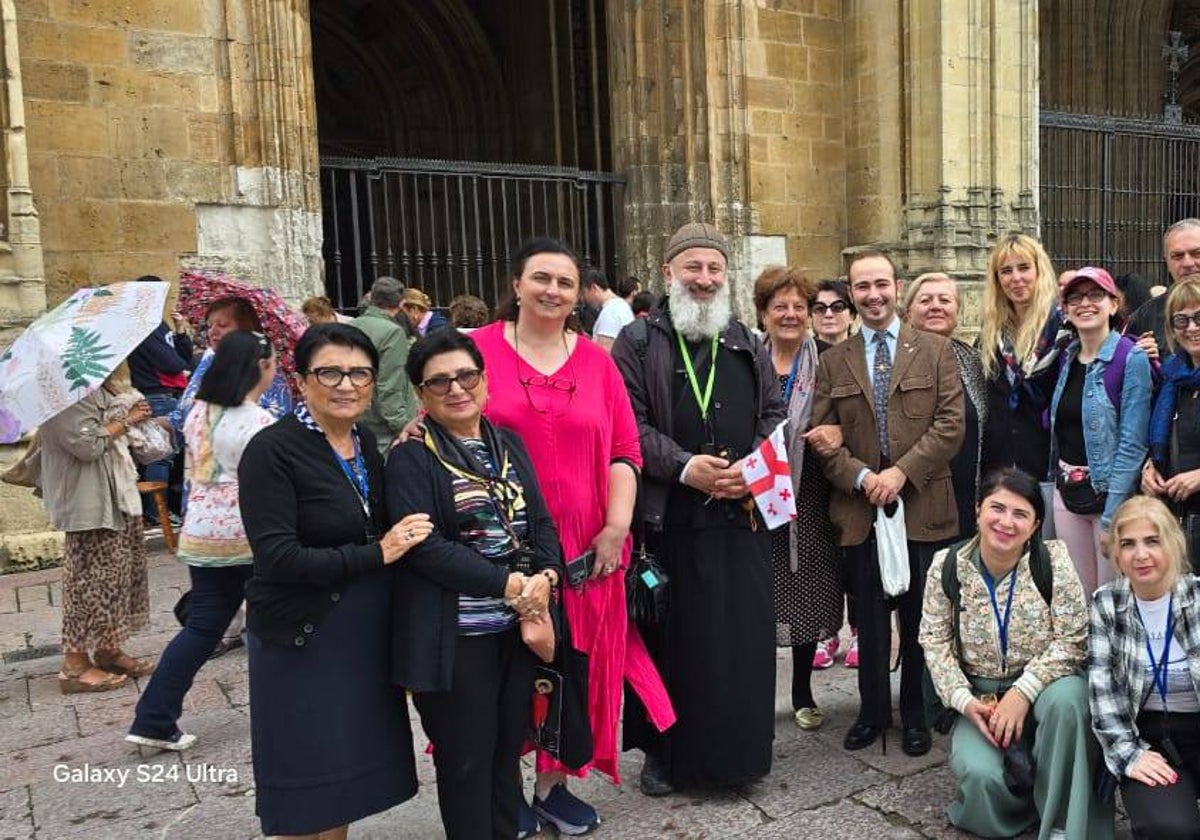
pixel 1116 442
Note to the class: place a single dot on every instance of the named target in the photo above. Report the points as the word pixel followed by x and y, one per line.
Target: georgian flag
pixel 767 473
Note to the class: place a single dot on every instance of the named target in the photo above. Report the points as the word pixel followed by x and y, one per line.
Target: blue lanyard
pixel 1001 620
pixel 1159 667
pixel 356 473
pixel 791 380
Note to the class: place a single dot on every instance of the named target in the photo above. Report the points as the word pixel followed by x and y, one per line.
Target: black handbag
pixel 1078 495
pixel 646 581
pixel 560 691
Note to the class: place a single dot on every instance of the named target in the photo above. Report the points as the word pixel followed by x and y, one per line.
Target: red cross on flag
pixel 766 472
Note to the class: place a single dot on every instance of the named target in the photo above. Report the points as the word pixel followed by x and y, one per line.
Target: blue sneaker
pixel 569 814
pixel 528 824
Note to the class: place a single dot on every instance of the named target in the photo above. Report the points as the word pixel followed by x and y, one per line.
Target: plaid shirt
pixel 1117 665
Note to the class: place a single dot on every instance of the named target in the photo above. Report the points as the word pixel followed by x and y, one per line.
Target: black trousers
pixel 1167 812
pixel 477 729
pixel 873 610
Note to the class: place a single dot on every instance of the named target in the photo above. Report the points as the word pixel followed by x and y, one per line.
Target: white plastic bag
pixel 891 537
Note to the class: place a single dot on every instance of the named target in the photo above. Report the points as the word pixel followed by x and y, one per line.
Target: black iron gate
pixel 447 227
pixel 1110 186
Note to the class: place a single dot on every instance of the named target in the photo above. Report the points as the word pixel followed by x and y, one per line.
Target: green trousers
pixel 1065 754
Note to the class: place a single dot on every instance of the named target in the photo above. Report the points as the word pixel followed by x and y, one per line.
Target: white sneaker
pixel 178 742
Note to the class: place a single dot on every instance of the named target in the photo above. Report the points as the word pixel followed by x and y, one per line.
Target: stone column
pixel 267 228
pixel 680 128
pixel 22 277
pixel 947 99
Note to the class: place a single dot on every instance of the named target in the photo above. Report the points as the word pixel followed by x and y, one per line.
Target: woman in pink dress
pixel 563 395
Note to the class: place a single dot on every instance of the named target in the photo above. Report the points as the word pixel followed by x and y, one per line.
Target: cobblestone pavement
pixel 815 789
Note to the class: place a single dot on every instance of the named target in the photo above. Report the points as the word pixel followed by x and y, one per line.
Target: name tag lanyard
pixel 1158 668
pixel 702 400
pixel 1001 619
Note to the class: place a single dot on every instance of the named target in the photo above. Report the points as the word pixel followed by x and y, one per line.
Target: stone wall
pixel 167 133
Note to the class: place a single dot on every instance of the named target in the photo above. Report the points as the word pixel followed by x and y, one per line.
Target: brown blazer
pixel 925 430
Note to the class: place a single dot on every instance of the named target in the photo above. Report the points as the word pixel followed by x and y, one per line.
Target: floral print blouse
pixel 1045 642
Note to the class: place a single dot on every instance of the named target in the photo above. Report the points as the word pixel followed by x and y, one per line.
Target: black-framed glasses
pixel 1092 295
pixel 837 307
pixel 553 383
pixel 467 378
pixel 1181 320
pixel 331 377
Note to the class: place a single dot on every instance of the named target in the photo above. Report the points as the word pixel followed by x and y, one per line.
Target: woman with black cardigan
pixel 329 731
pixel 462 595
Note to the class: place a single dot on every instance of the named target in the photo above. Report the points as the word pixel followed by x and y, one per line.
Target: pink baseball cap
pixel 1097 275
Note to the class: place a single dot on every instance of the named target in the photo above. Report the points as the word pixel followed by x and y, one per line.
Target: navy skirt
pixel 329 732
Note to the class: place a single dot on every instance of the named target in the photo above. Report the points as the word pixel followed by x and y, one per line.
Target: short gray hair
pixel 1182 224
pixel 386 292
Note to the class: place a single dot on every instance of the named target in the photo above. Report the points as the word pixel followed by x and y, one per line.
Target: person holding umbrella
pixel 59 375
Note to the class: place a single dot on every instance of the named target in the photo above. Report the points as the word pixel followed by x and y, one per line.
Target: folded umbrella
pixel 68 353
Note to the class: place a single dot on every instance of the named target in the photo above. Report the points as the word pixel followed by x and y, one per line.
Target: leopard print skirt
pixel 106 594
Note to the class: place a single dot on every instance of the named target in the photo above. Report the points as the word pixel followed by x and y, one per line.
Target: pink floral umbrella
pixel 282 324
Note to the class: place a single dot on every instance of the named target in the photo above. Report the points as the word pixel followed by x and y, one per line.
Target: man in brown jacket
pixel 902 450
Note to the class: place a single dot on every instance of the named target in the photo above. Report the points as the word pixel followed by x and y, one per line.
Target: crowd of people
pixel 435 507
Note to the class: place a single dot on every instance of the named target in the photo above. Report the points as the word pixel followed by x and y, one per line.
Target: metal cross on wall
pixel 1176 52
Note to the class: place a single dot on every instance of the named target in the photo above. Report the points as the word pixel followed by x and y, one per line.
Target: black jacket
pixel 430 577
pixel 155 355
pixel 644 352
pixel 306 528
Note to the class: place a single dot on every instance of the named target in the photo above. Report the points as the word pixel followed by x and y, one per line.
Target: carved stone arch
pixel 1100 57
pixel 1186 20
pixel 417 79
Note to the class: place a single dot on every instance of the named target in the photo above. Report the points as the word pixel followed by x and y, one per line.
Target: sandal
pixel 125 665
pixel 73 683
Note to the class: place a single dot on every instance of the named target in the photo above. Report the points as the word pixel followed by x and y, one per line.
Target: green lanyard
pixel 701 401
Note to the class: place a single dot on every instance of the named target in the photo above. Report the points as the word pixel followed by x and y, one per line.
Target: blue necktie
pixel 882 379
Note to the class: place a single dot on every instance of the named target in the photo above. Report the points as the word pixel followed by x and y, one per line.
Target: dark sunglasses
pixel 837 307
pixel 440 385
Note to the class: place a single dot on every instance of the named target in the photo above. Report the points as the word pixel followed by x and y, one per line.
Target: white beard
pixel 696 320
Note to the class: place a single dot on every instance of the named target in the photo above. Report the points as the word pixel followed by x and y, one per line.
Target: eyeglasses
pixel 1092 295
pixel 837 307
pixel 554 383
pixel 1182 320
pixel 467 379
pixel 331 377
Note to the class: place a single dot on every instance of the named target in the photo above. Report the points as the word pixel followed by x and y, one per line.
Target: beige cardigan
pixel 85 484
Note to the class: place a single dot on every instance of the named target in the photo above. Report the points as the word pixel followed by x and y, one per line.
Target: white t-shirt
pixel 1181 694
pixel 613 316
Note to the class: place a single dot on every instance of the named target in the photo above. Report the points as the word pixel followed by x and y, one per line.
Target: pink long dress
pixel 573 438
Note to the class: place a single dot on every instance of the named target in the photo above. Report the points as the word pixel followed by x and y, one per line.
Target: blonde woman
pixel 1144 671
pixel 1019 341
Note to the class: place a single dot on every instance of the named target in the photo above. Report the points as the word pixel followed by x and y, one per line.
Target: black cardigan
pixel 430 576
pixel 306 528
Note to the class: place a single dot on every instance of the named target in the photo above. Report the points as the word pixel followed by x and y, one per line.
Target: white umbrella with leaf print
pixel 68 353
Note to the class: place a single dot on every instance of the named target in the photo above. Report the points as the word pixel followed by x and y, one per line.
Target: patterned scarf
pixel 204 467
pixel 1054 337
pixel 1177 373
pixel 799 412
pixel 507 494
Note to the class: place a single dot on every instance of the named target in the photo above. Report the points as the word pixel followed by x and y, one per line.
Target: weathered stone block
pixel 207 136
pixel 157 226
pixel 202 183
pixel 87 177
pixel 823 32
pixel 825 65
pixel 768 93
pixel 30 551
pixel 58 41
pixel 173 53
pixel 787 61
pixel 165 15
pixel 55 80
pixel 143 179
pixel 765 122
pixel 69 225
pixel 153 132
pixel 138 88
pixel 781 26
pixel 47 127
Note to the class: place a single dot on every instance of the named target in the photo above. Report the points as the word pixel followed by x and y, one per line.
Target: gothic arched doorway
pixel 451 129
